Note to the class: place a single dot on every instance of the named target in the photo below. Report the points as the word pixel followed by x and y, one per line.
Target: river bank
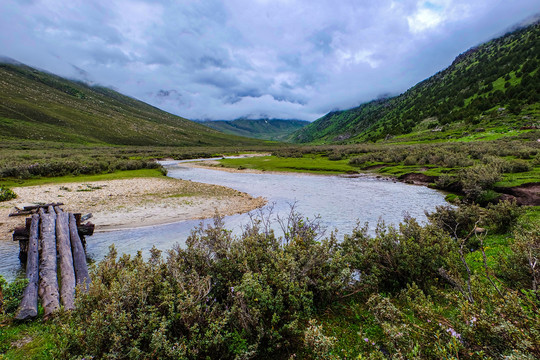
pixel 130 203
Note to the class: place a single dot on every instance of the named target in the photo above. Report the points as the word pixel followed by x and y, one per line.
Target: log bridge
pixel 53 242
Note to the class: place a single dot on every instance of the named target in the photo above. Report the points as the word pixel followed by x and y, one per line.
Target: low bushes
pixel 6 194
pixel 221 297
pixel 405 292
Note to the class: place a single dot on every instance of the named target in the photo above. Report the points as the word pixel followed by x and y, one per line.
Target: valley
pixel 407 227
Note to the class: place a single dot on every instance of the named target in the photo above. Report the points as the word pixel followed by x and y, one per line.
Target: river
pixel 340 201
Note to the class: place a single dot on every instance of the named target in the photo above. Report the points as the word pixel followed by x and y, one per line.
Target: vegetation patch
pixel 308 163
pixel 453 288
pixel 127 174
pixel 6 194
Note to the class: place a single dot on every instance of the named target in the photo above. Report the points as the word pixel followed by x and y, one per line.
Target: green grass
pixel 22 341
pixel 532 215
pixel 517 179
pixel 128 174
pixel 308 164
pixel 495 246
pixel 350 323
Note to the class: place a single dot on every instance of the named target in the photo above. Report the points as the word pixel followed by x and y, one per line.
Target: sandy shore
pixel 130 203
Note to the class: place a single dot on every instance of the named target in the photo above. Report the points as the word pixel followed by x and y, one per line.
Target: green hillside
pixel 267 129
pixel 494 85
pixel 36 105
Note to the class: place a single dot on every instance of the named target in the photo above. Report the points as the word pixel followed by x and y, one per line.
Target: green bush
pixel 477 179
pixel 520 267
pixel 503 216
pixel 259 296
pixel 10 295
pixel 6 194
pixel 221 297
pixel 396 257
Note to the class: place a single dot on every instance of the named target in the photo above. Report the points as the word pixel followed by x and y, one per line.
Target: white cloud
pixel 424 19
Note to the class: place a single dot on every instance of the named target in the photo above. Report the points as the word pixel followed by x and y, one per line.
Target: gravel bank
pixel 130 203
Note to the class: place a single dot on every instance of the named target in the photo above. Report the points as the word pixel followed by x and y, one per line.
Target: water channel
pixel 340 201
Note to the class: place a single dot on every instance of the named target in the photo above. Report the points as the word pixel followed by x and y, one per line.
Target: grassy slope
pixel 40 106
pixel 267 129
pixel 500 73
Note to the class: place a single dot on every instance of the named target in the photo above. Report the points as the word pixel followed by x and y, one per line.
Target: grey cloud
pixel 220 59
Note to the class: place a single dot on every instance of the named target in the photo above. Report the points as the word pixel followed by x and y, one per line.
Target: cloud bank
pixel 210 59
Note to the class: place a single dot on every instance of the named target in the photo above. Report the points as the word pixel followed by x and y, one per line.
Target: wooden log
pixel 44 206
pixel 67 273
pixel 86 217
pixel 28 308
pixel 79 255
pixel 22 212
pixel 21 235
pixel 48 280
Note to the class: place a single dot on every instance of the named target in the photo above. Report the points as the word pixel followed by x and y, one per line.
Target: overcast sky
pixel 212 59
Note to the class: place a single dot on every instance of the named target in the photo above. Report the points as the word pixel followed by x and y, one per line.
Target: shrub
pixel 502 217
pixel 520 268
pixel 517 166
pixel 221 297
pixel 319 345
pixel 6 194
pixel 397 257
pixel 478 178
pixel 335 157
pixel 10 295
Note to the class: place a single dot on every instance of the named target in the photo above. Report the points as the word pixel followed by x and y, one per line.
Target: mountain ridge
pixel 499 74
pixel 38 105
pixel 265 129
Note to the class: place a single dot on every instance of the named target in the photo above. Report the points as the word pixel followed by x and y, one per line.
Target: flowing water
pixel 339 200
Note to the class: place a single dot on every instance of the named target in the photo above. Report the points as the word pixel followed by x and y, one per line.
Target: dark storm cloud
pixel 212 59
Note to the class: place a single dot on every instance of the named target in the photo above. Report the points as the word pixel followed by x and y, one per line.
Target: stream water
pixel 340 202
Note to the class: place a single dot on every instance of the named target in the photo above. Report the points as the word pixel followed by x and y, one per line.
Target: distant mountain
pixel 496 82
pixel 267 129
pixel 37 105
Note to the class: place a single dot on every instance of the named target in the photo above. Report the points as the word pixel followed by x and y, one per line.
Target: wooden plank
pixel 67 273
pixel 48 280
pixel 28 308
pixel 79 255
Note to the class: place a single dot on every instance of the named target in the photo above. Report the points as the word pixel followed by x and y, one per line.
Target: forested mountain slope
pixel 37 105
pixel 498 81
pixel 268 129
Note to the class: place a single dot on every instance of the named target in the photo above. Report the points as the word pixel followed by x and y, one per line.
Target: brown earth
pixel 526 194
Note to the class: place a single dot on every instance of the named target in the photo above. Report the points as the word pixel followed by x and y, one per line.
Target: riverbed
pixel 341 202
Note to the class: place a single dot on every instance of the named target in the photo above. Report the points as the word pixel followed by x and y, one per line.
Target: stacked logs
pixel 53 232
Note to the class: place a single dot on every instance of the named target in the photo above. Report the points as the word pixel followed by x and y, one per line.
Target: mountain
pixel 37 105
pixel 267 129
pixel 494 83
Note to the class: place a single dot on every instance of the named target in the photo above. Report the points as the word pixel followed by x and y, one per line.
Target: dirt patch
pixel 21 342
pixel 526 194
pixel 417 179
